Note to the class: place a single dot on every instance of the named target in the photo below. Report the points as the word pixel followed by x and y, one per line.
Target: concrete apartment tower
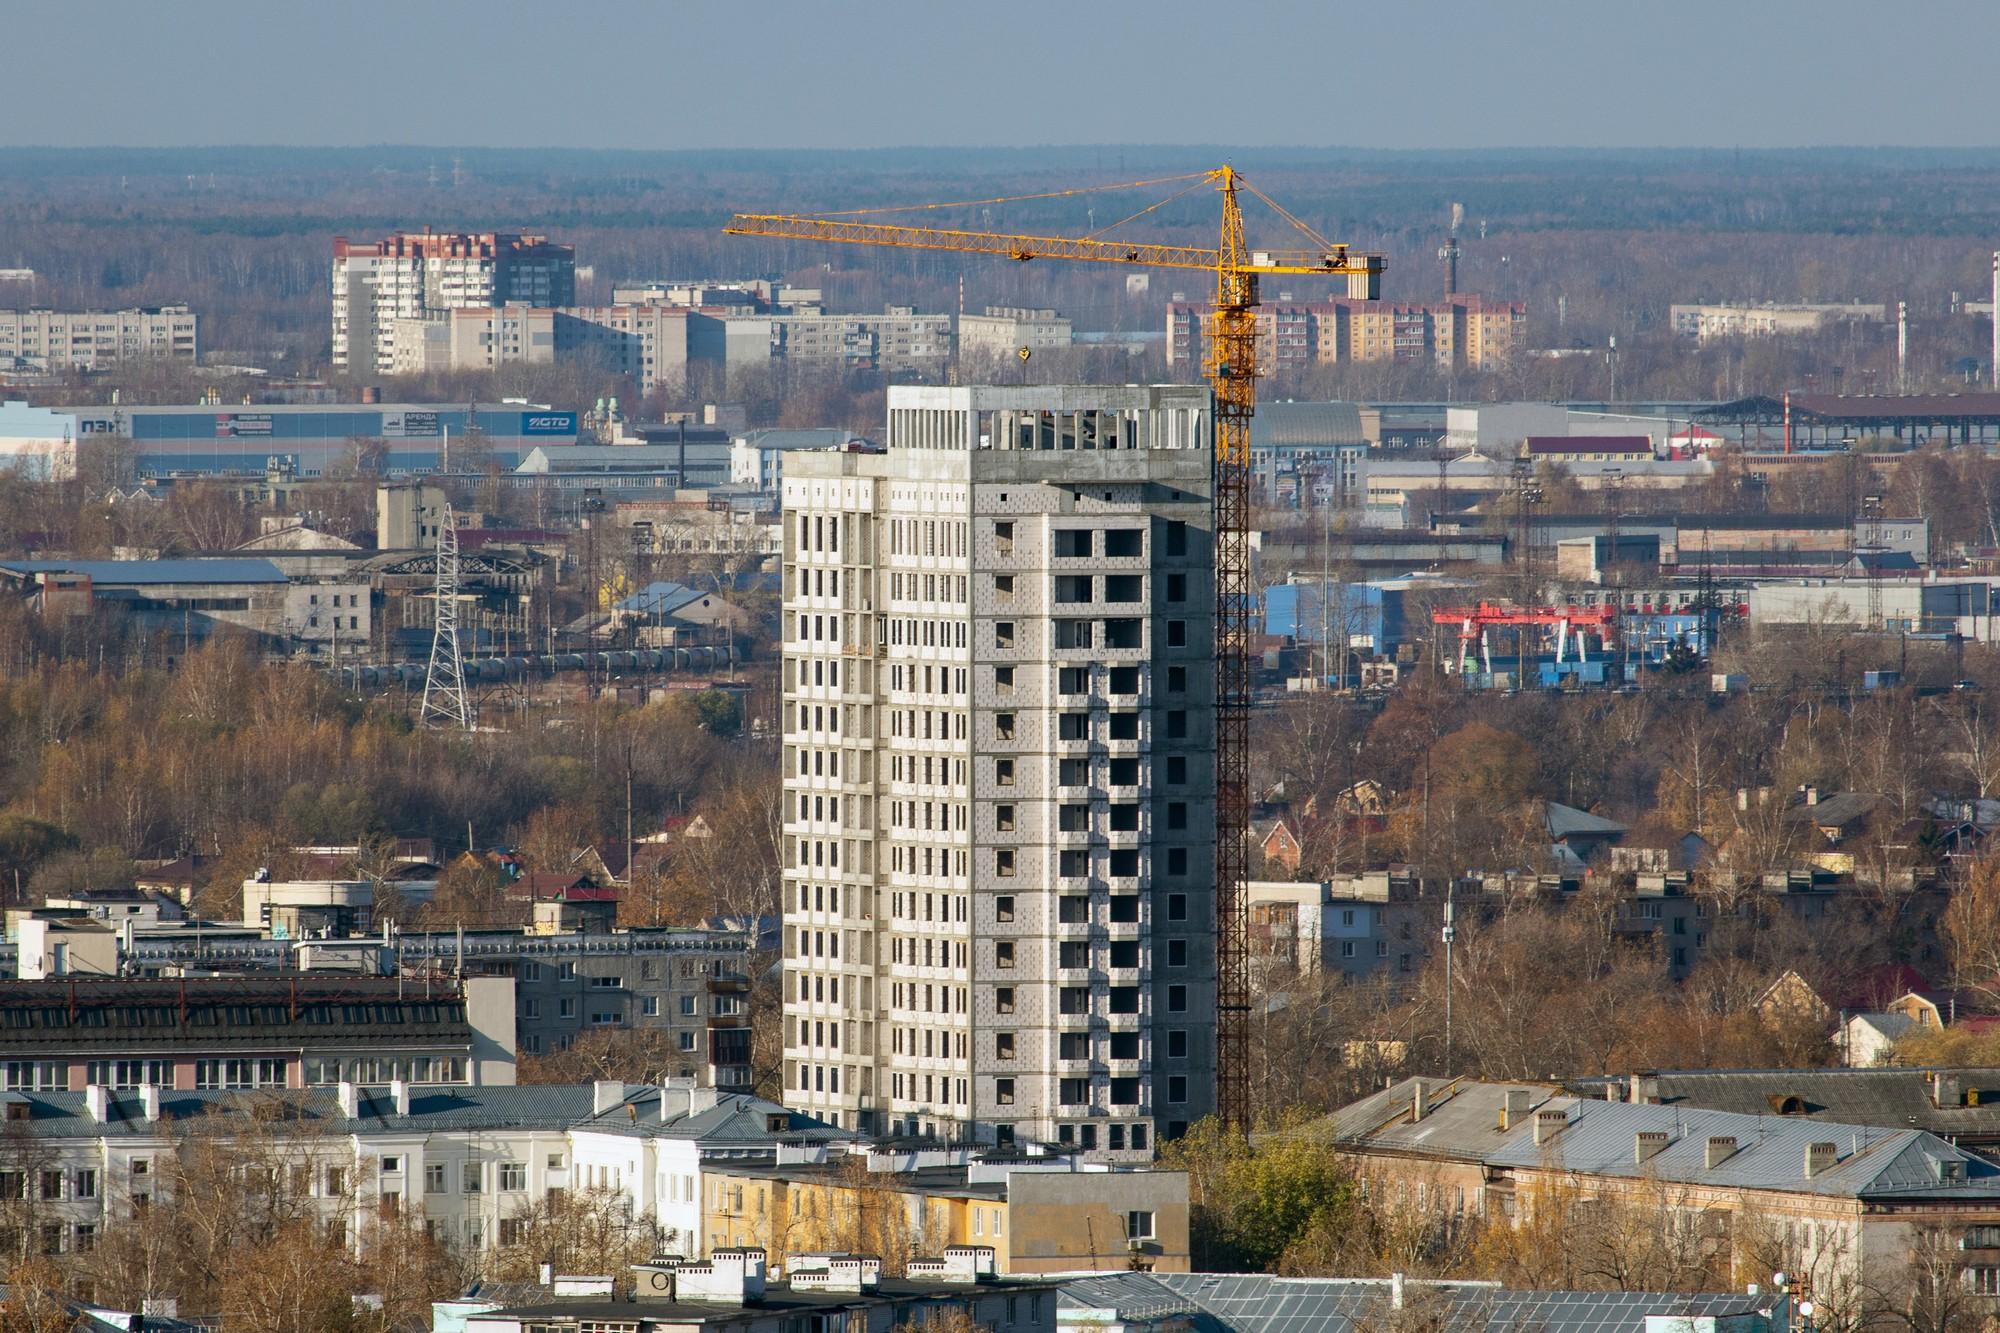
pixel 999 769
pixel 415 275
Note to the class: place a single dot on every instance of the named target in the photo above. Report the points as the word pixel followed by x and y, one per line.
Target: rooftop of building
pixel 777 1299
pixel 1255 1303
pixel 1463 1121
pixel 715 1119
pixel 145 573
pixel 432 1109
pixel 67 1013
pixel 1895 1097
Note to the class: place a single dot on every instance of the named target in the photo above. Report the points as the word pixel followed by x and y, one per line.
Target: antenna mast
pixel 444 684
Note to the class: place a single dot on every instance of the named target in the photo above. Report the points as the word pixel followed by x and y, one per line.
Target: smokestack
pixel 1720 1148
pixel 1648 1144
pixel 1513 1106
pixel 1821 1158
pixel 1902 347
pixel 1419 1103
pixel 1548 1124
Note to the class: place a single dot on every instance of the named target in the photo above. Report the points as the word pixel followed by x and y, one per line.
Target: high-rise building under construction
pixel 999 769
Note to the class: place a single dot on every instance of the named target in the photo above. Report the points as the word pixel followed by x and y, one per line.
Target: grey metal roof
pixel 1305 425
pixel 1254 1303
pixel 1463 1123
pixel 1566 821
pixel 1892 1098
pixel 811 437
pixel 140 573
pixel 58 1115
pixel 735 1119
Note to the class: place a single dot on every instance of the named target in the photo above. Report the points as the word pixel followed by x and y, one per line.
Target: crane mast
pixel 1231 367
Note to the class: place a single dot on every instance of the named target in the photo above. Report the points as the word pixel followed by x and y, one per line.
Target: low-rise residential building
pixel 95 339
pixel 66 1032
pixel 757 459
pixel 1961 1105
pixel 822 1293
pixel 1846 1203
pixel 1039 1214
pixel 1465 331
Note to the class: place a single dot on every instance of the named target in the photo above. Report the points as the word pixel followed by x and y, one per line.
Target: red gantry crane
pixel 1231 365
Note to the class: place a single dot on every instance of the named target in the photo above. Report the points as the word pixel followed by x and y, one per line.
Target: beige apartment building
pixel 1463 331
pixel 94 339
pixel 413 274
pixel 1002 331
pixel 649 343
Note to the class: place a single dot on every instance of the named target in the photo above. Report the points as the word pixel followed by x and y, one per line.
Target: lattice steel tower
pixel 444 684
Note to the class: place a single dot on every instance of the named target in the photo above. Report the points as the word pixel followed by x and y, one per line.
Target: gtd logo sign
pixel 551 423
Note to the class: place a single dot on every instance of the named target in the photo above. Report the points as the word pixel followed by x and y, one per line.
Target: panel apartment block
pixel 999 782
pixel 411 274
pixel 94 339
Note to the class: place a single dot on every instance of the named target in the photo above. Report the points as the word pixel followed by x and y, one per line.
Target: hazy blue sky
pixel 781 73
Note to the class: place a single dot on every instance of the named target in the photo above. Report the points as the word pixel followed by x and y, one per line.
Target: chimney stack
pixel 149 1102
pixel 350 1099
pixel 1821 1158
pixel 1721 1148
pixel 1645 1088
pixel 1548 1124
pixel 1648 1144
pixel 97 1100
pixel 1419 1103
pixel 606 1093
pixel 1514 1107
pixel 1948 1091
pixel 399 1093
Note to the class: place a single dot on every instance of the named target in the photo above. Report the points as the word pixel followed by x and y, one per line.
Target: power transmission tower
pixel 444 684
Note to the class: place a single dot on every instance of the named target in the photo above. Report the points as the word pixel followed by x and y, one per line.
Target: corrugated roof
pixel 1566 821
pixel 432 1109
pixel 140 573
pixel 1305 425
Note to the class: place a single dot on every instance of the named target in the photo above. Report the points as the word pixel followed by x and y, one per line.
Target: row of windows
pixel 928 1088
pixel 936 999
pixel 936 1045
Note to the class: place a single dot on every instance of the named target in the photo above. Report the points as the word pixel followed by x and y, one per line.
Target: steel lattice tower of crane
pixel 1231 364
pixel 444 684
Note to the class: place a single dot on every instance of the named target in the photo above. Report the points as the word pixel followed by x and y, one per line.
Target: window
pixel 1003 999
pixel 1073 953
pixel 1003 1091
pixel 1003 818
pixel 1003 1046
pixel 1177 1043
pixel 1003 634
pixel 1073 1046
pixel 391 1165
pixel 649 1006
pixel 1003 907
pixel 513 1177
pixel 1073 1091
pixel 1124 1092
pixel 471 1177
pixel 1003 954
pixel 1139 1224
pixel 1073 1000
pixel 1003 862
pixel 1003 772
pixel 435 1178
pixel 688 1041
pixel 1177 953
pixel 1177 1088
pixel 85 1182
pixel 513 1230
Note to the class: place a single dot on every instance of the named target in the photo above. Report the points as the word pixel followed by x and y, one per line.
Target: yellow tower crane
pixel 1231 365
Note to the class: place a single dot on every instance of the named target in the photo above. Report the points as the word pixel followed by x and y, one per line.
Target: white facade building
pixel 94 339
pixel 413 274
pixel 999 782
